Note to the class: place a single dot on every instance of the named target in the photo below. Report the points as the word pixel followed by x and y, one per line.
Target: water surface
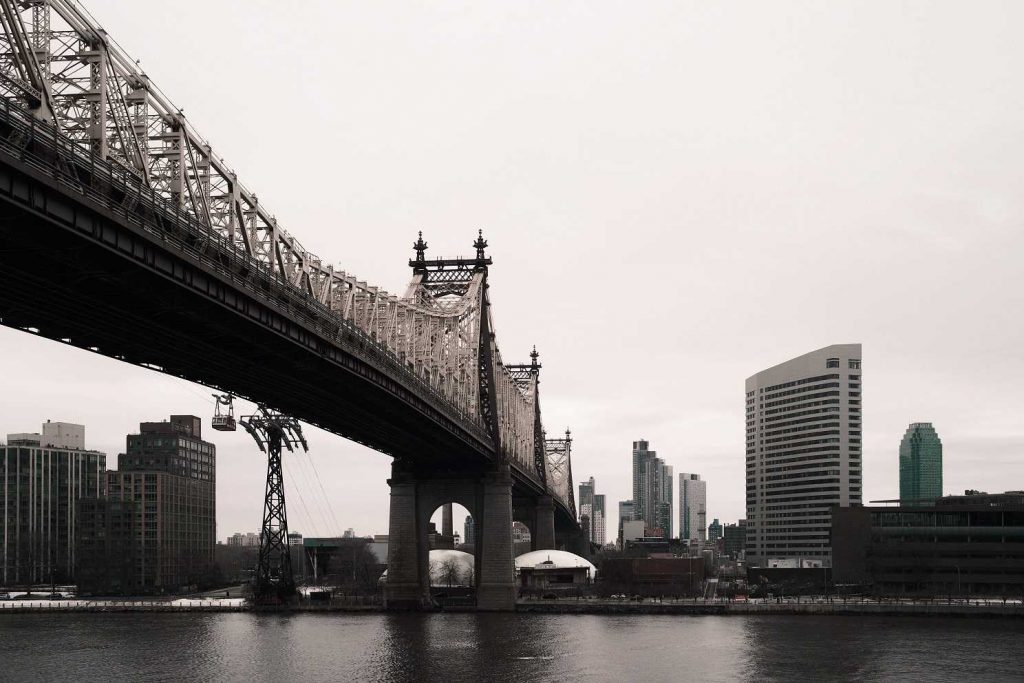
pixel 479 647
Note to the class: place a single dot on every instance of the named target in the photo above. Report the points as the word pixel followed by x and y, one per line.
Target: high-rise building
pixel 692 507
pixel 586 505
pixel 664 505
pixel 469 531
pixel 168 471
pixel 734 539
pixel 641 457
pixel 591 506
pixel 652 489
pixel 803 449
pixel 598 521
pixel 920 463
pixel 42 476
pixel 714 530
pixel 627 513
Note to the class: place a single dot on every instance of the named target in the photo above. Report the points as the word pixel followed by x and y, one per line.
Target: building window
pixel 854 364
pixel 833 363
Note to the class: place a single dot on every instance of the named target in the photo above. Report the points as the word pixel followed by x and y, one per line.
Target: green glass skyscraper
pixel 920 463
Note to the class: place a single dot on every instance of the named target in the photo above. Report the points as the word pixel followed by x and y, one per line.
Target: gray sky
pixel 677 195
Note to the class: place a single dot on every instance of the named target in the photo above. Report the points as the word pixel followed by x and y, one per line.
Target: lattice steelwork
pixel 56 62
pixel 559 459
pixel 275 579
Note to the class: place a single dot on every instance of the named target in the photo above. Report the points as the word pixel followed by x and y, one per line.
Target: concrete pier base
pixel 544 533
pixel 496 590
pixel 404 588
pixel 415 495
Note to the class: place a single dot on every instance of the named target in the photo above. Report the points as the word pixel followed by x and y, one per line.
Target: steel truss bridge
pixel 126 234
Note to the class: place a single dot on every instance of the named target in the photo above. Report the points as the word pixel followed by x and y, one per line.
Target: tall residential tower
pixel 42 477
pixel 169 473
pixel 652 490
pixel 692 507
pixel 591 504
pixel 585 505
pixel 599 522
pixel 803 436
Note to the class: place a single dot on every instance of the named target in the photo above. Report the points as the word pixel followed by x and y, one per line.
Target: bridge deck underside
pixel 70 287
pixel 81 270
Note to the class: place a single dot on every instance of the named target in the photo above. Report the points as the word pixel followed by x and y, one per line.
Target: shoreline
pixel 773 608
pixel 982 610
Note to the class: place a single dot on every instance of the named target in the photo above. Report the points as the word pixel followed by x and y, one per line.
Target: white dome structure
pixel 559 558
pixel 447 567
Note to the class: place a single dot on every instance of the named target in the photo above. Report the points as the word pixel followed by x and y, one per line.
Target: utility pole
pixel 275 581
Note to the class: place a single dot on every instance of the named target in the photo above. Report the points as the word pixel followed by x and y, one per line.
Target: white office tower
pixel 803 432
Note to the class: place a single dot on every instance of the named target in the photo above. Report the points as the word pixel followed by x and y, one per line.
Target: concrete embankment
pixel 747 608
pixel 47 606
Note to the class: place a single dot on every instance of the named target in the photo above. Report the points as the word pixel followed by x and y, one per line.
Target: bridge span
pixel 125 234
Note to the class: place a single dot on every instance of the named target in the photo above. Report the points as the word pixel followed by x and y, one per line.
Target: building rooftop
pixel 558 559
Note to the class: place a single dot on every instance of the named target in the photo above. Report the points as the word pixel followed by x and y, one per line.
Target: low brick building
pixel 956 545
pixel 669 576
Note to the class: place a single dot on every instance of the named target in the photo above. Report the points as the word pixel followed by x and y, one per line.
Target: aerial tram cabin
pixel 224 420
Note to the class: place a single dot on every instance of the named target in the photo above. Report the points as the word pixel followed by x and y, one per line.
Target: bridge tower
pixel 536 512
pixel 485 490
pixel 275 580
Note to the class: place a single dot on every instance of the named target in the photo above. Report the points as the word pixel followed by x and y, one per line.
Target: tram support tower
pixel 275 580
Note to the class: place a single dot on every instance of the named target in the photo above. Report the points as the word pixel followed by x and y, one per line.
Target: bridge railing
pixel 39 145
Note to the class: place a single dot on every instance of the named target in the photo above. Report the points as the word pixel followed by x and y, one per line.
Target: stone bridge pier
pixel 415 495
pixel 538 514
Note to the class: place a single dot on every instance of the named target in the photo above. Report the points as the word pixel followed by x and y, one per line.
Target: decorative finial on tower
pixel 420 246
pixel 533 357
pixel 480 245
pixel 568 434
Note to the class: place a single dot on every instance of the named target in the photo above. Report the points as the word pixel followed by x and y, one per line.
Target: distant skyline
pixel 677 197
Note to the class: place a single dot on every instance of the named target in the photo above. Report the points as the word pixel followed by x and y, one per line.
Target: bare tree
pixel 450 572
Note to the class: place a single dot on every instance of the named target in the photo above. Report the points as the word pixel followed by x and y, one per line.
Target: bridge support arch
pixel 415 495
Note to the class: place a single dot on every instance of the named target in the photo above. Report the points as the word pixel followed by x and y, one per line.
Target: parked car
pixel 5 596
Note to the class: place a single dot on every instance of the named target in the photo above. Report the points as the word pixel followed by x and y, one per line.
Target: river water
pixel 499 647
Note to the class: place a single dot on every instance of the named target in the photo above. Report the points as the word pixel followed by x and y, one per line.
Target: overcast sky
pixel 677 195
